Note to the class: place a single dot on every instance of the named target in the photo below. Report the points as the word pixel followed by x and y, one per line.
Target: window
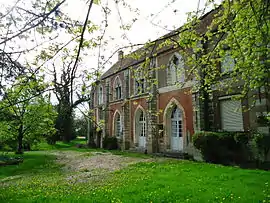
pixel 176 119
pixel 142 124
pixel 227 64
pixel 139 86
pixel 100 95
pixel 176 70
pixel 118 125
pixel 231 115
pixel 140 128
pixel 117 89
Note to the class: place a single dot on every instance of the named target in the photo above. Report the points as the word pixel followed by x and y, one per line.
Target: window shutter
pixel 231 115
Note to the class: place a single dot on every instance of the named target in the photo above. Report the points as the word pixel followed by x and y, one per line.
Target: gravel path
pixel 93 165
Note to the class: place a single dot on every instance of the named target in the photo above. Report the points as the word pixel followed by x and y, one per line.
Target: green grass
pixel 41 180
pixel 34 163
pixel 42 146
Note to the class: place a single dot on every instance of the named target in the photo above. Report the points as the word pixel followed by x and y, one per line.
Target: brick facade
pixel 158 104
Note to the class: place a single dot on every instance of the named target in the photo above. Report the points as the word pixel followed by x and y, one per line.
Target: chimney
pixel 120 55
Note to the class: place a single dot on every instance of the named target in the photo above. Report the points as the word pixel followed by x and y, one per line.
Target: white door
pixel 142 131
pixel 177 130
pixel 231 115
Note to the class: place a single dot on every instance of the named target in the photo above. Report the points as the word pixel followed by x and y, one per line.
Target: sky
pixel 153 19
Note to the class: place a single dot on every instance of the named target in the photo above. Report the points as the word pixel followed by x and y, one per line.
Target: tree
pixel 80 126
pixel 42 23
pixel 66 86
pixel 26 122
pixel 238 38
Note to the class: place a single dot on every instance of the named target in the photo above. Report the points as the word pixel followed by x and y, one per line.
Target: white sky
pixel 156 18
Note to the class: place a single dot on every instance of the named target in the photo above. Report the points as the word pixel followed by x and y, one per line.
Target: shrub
pixel 261 143
pixel 110 143
pixel 222 147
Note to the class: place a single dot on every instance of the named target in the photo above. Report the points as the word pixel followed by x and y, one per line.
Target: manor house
pixel 141 103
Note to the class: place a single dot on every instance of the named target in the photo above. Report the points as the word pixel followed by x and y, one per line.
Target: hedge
pixel 232 147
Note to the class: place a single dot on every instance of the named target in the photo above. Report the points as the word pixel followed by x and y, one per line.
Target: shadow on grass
pixel 33 163
pixel 43 146
pixel 79 145
pixel 130 154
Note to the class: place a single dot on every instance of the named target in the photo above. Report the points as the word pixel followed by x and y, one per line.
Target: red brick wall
pixel 112 109
pixel 185 99
pixel 133 106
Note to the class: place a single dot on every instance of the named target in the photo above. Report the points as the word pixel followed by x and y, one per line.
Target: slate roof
pixel 143 52
pixel 148 51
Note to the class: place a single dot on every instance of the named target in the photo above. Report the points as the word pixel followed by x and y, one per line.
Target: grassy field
pixel 40 179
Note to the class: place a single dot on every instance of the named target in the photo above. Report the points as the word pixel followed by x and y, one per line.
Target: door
pixel 177 130
pixel 142 131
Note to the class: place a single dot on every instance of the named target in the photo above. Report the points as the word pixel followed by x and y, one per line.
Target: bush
pixel 261 144
pixel 222 147
pixel 110 143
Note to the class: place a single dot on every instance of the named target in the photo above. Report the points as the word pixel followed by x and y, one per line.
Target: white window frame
pixel 177 120
pixel 142 125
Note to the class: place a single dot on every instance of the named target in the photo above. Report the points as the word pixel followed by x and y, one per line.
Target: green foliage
pixel 233 147
pixel 80 127
pixel 264 119
pixel 222 147
pixel 240 30
pixel 110 143
pixel 262 146
pixel 30 117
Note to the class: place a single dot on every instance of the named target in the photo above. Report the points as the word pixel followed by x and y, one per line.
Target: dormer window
pixel 176 70
pixel 117 89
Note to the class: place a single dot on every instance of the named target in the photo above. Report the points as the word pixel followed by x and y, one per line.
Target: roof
pixel 153 48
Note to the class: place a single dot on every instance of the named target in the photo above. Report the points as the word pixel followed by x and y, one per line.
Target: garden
pixel 65 173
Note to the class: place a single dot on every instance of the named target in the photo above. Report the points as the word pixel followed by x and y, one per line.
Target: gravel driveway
pixel 94 165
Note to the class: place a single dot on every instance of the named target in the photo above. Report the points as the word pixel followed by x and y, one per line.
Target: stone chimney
pixel 120 55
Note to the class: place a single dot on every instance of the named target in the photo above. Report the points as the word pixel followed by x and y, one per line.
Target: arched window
pixel 100 95
pixel 118 125
pixel 139 81
pixel 176 70
pixel 117 89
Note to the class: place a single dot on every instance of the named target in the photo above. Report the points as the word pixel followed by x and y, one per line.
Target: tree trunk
pixel 20 140
pixel 67 125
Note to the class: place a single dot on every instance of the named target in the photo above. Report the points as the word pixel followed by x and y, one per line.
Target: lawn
pixel 40 179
